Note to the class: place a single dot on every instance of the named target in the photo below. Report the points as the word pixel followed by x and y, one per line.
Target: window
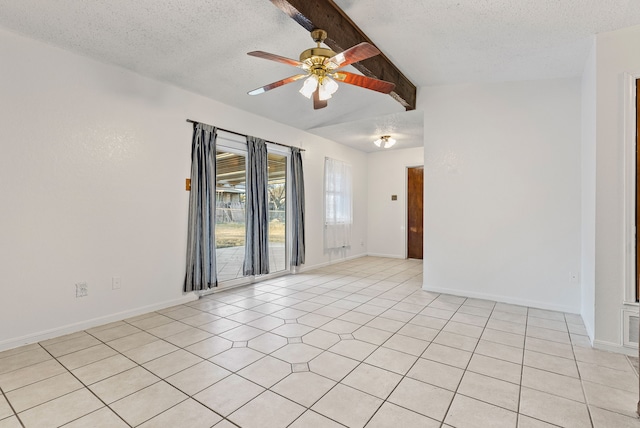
pixel 338 216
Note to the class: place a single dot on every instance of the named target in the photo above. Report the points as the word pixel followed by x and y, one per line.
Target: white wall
pixel 92 166
pixel 588 179
pixel 502 191
pixel 386 231
pixel 616 53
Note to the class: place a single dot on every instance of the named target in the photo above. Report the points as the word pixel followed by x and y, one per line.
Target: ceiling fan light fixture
pixel 327 88
pixel 309 86
pixel 385 142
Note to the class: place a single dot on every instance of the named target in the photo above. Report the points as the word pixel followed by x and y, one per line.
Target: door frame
pixel 405 210
pixel 630 130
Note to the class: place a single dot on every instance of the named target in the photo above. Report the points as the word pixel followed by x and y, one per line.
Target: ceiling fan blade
pixel 317 102
pixel 356 53
pixel 364 82
pixel 277 84
pixel 276 58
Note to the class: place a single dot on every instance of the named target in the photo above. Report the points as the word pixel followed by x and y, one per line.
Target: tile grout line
pixel 191 396
pixel 3 395
pixel 160 379
pixel 84 387
pixel 584 392
pixel 396 332
pixel 379 346
pixel 524 350
pixel 323 350
pixel 446 413
pixel 385 400
pixel 352 370
pixel 548 371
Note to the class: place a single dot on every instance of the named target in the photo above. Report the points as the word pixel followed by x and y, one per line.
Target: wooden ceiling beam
pixel 344 33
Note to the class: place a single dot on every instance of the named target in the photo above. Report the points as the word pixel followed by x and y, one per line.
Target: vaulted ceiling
pixel 201 45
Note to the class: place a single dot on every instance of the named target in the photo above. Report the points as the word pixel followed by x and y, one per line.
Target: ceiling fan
pixel 321 69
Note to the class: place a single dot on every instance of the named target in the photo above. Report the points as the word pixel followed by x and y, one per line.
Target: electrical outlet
pixel 116 283
pixel 82 289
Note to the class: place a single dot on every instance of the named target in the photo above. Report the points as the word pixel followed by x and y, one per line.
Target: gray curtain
pixel 201 242
pixel 297 208
pixel 256 256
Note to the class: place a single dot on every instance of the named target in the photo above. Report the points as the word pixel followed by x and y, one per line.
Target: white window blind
pixel 338 216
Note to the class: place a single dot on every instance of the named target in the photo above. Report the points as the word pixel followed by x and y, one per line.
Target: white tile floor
pixel 355 344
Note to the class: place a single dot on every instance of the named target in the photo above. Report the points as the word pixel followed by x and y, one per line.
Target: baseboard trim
pixel 386 256
pixel 504 299
pixel 614 347
pixel 330 262
pixel 589 327
pixel 243 282
pixel 94 322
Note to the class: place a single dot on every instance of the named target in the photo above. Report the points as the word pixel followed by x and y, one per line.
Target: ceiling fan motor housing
pixel 316 55
pixel 315 58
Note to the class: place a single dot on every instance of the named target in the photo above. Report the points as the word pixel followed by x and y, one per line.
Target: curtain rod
pixel 245 135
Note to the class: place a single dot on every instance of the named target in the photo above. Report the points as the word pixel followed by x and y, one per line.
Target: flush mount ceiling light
pixel 385 141
pixel 321 67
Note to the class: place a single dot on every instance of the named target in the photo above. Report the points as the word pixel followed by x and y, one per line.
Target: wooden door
pixel 415 187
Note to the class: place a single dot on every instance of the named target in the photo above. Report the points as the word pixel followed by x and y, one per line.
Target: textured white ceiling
pixel 438 42
pixel 201 45
pixel 407 129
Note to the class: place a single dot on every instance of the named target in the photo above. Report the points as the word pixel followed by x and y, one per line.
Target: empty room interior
pixel 332 214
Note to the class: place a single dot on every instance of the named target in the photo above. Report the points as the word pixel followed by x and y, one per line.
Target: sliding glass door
pixel 230 228
pixel 277 188
pixel 230 215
